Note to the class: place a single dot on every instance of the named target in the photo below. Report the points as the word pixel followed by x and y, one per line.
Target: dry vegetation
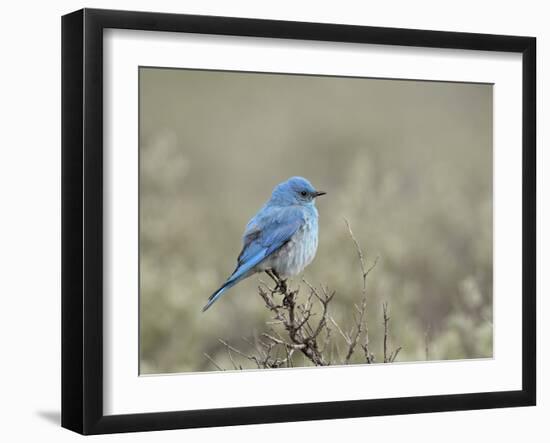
pixel 409 164
pixel 308 328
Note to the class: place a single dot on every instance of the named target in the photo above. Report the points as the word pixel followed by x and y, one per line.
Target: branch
pixel 213 362
pixel 306 327
pixel 392 355
pixel 361 322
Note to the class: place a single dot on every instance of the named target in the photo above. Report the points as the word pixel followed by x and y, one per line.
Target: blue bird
pixel 281 238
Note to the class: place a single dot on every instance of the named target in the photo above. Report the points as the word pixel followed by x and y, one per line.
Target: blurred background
pixel 408 163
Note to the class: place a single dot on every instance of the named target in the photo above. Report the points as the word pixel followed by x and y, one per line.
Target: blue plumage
pixel 281 237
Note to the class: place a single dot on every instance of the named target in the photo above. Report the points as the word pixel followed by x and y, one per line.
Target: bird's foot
pixel 272 275
pixel 282 287
pixel 280 283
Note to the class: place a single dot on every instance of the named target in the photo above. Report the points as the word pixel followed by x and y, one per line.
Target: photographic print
pixel 250 204
pixel 294 220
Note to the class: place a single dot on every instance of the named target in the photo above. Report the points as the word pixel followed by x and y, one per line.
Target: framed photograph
pixel 269 221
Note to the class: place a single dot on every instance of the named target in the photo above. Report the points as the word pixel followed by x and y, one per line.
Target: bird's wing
pixel 269 231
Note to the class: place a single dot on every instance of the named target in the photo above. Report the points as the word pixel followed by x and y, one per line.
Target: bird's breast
pixel 298 252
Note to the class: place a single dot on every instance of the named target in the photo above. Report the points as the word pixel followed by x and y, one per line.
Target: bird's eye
pixel 304 193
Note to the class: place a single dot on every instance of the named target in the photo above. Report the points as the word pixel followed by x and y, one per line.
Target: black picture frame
pixel 82 220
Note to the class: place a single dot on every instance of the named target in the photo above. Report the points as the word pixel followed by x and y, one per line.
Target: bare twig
pixel 361 322
pixel 230 354
pixel 427 342
pixel 346 337
pixel 389 356
pixel 242 354
pixel 213 362
pixel 305 327
pixel 282 342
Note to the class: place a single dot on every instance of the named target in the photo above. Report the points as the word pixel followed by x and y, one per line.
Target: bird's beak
pixel 319 193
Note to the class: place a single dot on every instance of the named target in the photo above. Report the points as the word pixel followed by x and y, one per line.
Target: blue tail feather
pixel 228 284
pixel 241 272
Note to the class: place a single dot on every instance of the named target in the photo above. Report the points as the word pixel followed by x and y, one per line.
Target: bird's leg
pixel 270 273
pixel 281 283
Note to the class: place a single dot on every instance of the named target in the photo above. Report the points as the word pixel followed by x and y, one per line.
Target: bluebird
pixel 281 239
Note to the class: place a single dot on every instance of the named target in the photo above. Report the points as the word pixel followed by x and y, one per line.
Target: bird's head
pixel 295 191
